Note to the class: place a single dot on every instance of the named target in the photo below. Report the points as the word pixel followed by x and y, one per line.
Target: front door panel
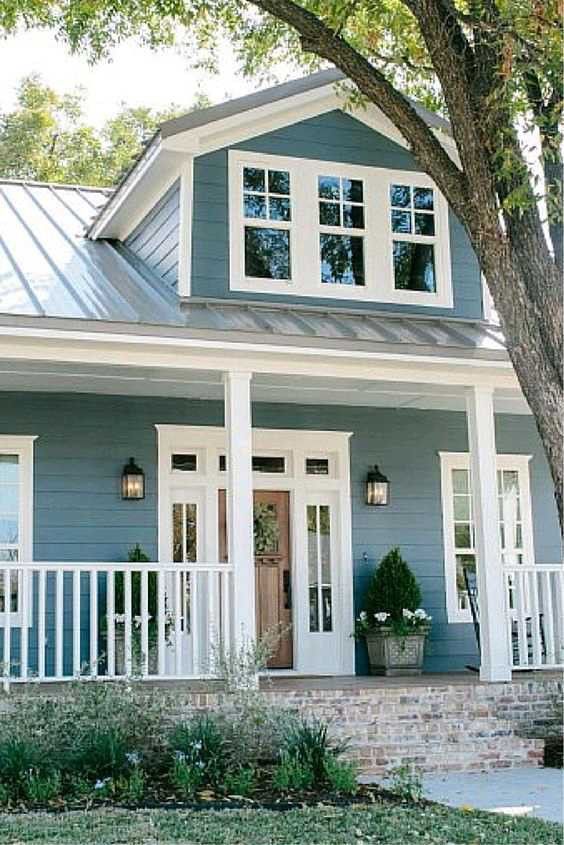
pixel 272 568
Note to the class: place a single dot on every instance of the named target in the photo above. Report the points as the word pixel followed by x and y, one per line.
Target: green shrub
pixel 202 744
pixel 40 789
pixel 101 753
pixel 5 795
pixel 341 777
pixel 132 787
pixel 19 755
pixel 292 774
pixel 185 777
pixel 240 781
pixel 393 587
pixel 406 783
pixel 309 744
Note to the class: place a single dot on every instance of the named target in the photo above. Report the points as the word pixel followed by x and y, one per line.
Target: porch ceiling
pixel 266 387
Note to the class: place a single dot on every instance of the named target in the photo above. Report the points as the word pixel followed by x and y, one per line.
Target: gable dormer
pixel 284 197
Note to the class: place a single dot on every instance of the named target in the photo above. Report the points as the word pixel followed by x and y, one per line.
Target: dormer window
pixel 328 230
pixel 266 202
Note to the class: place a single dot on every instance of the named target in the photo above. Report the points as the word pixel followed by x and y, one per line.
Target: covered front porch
pixel 212 441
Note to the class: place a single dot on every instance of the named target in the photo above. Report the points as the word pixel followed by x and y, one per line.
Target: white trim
pixel 186 201
pixel 23 447
pixel 304 248
pixel 298 444
pixel 461 460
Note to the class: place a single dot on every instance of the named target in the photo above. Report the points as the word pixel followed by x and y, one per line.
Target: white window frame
pixel 461 460
pixel 305 254
pixel 23 447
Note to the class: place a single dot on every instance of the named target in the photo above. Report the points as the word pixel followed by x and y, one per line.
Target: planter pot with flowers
pixel 392 623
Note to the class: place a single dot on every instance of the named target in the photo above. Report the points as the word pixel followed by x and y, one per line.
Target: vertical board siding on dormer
pixel 155 239
pixel 334 136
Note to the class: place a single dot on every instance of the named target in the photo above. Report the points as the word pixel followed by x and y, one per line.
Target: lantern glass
pixel 132 481
pixel 377 488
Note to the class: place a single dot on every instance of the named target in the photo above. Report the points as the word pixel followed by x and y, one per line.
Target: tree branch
pixel 318 38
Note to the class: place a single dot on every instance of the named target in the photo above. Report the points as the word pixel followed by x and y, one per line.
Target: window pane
pixel 279 208
pixel 329 187
pixel 401 221
pixel 511 481
pixel 279 182
pixel 267 463
pixel 8 555
pixel 253 179
pixel 400 195
pixel 185 463
pixel 462 507
pixel 414 267
pixel 254 205
pixel 353 216
pixel 329 213
pixel 9 498
pixel 191 533
pixel 184 532
pixel 342 260
pixel 177 512
pixel 352 190
pixel 423 198
pixel 462 536
pixel 13 600
pixel 9 532
pixel 311 512
pixel 9 468
pixel 461 481
pixel 267 253
pixel 425 224
pixel 317 466
pixel 463 562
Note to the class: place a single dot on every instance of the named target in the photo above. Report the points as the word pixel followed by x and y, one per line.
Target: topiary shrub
pixel 393 587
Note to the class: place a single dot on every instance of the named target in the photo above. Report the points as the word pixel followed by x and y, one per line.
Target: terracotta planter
pixel 391 655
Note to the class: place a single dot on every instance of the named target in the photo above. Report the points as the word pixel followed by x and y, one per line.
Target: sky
pixel 135 75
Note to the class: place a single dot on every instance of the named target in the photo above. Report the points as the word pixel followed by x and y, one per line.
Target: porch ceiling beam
pixel 166 353
pixel 494 637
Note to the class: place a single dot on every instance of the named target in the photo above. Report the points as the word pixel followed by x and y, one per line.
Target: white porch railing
pixel 59 621
pixel 535 615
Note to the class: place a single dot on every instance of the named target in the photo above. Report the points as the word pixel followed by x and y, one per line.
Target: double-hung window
pixel 16 515
pixel 267 215
pixel 515 522
pixel 341 222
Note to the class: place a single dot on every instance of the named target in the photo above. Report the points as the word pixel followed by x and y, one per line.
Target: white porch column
pixel 494 641
pixel 240 502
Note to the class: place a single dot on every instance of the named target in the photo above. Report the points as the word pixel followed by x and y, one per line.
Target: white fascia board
pixel 197 354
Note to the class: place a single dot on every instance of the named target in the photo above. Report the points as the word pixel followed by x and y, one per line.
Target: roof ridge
pixel 38 183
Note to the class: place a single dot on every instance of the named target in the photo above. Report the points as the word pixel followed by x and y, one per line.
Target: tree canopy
pixel 47 138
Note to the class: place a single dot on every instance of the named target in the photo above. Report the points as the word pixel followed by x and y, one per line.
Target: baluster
pixel 76 622
pixel 59 622
pixel 7 658
pixel 196 618
pixel 521 619
pixel 93 623
pixel 41 608
pixel 23 601
pixel 535 620
pixel 161 622
pixel 111 622
pixel 225 633
pixel 548 616
pixel 144 623
pixel 128 622
pixel 178 607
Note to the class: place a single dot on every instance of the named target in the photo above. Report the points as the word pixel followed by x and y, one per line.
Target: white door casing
pixel 321 652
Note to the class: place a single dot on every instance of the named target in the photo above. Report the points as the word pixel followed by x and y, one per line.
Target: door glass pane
pixel 319 568
pixel 184 532
pixel 266 528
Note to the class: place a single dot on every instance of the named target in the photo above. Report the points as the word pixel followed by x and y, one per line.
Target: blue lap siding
pixel 83 442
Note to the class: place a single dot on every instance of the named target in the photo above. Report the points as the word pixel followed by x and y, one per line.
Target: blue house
pixel 199 372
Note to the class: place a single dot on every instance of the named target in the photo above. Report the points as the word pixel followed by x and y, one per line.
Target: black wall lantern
pixel 132 481
pixel 377 488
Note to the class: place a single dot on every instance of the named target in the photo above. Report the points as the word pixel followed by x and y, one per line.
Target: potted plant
pixel 392 622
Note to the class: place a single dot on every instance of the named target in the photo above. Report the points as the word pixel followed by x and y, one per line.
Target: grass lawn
pixel 312 825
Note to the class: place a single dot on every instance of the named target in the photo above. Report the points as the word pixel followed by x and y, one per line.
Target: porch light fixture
pixel 132 481
pixel 377 488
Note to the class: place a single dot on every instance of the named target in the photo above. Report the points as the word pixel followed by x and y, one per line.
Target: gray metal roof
pixel 48 268
pixel 50 271
pixel 201 117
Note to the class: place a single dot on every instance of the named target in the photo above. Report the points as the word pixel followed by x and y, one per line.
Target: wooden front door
pixel 272 568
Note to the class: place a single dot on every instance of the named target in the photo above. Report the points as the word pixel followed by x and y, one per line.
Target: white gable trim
pixel 168 154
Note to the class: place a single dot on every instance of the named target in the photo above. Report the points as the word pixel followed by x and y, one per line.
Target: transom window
pixel 332 230
pixel 458 516
pixel 266 201
pixel 412 220
pixel 341 209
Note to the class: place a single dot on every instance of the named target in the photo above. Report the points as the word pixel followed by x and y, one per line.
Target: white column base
pixel 501 673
